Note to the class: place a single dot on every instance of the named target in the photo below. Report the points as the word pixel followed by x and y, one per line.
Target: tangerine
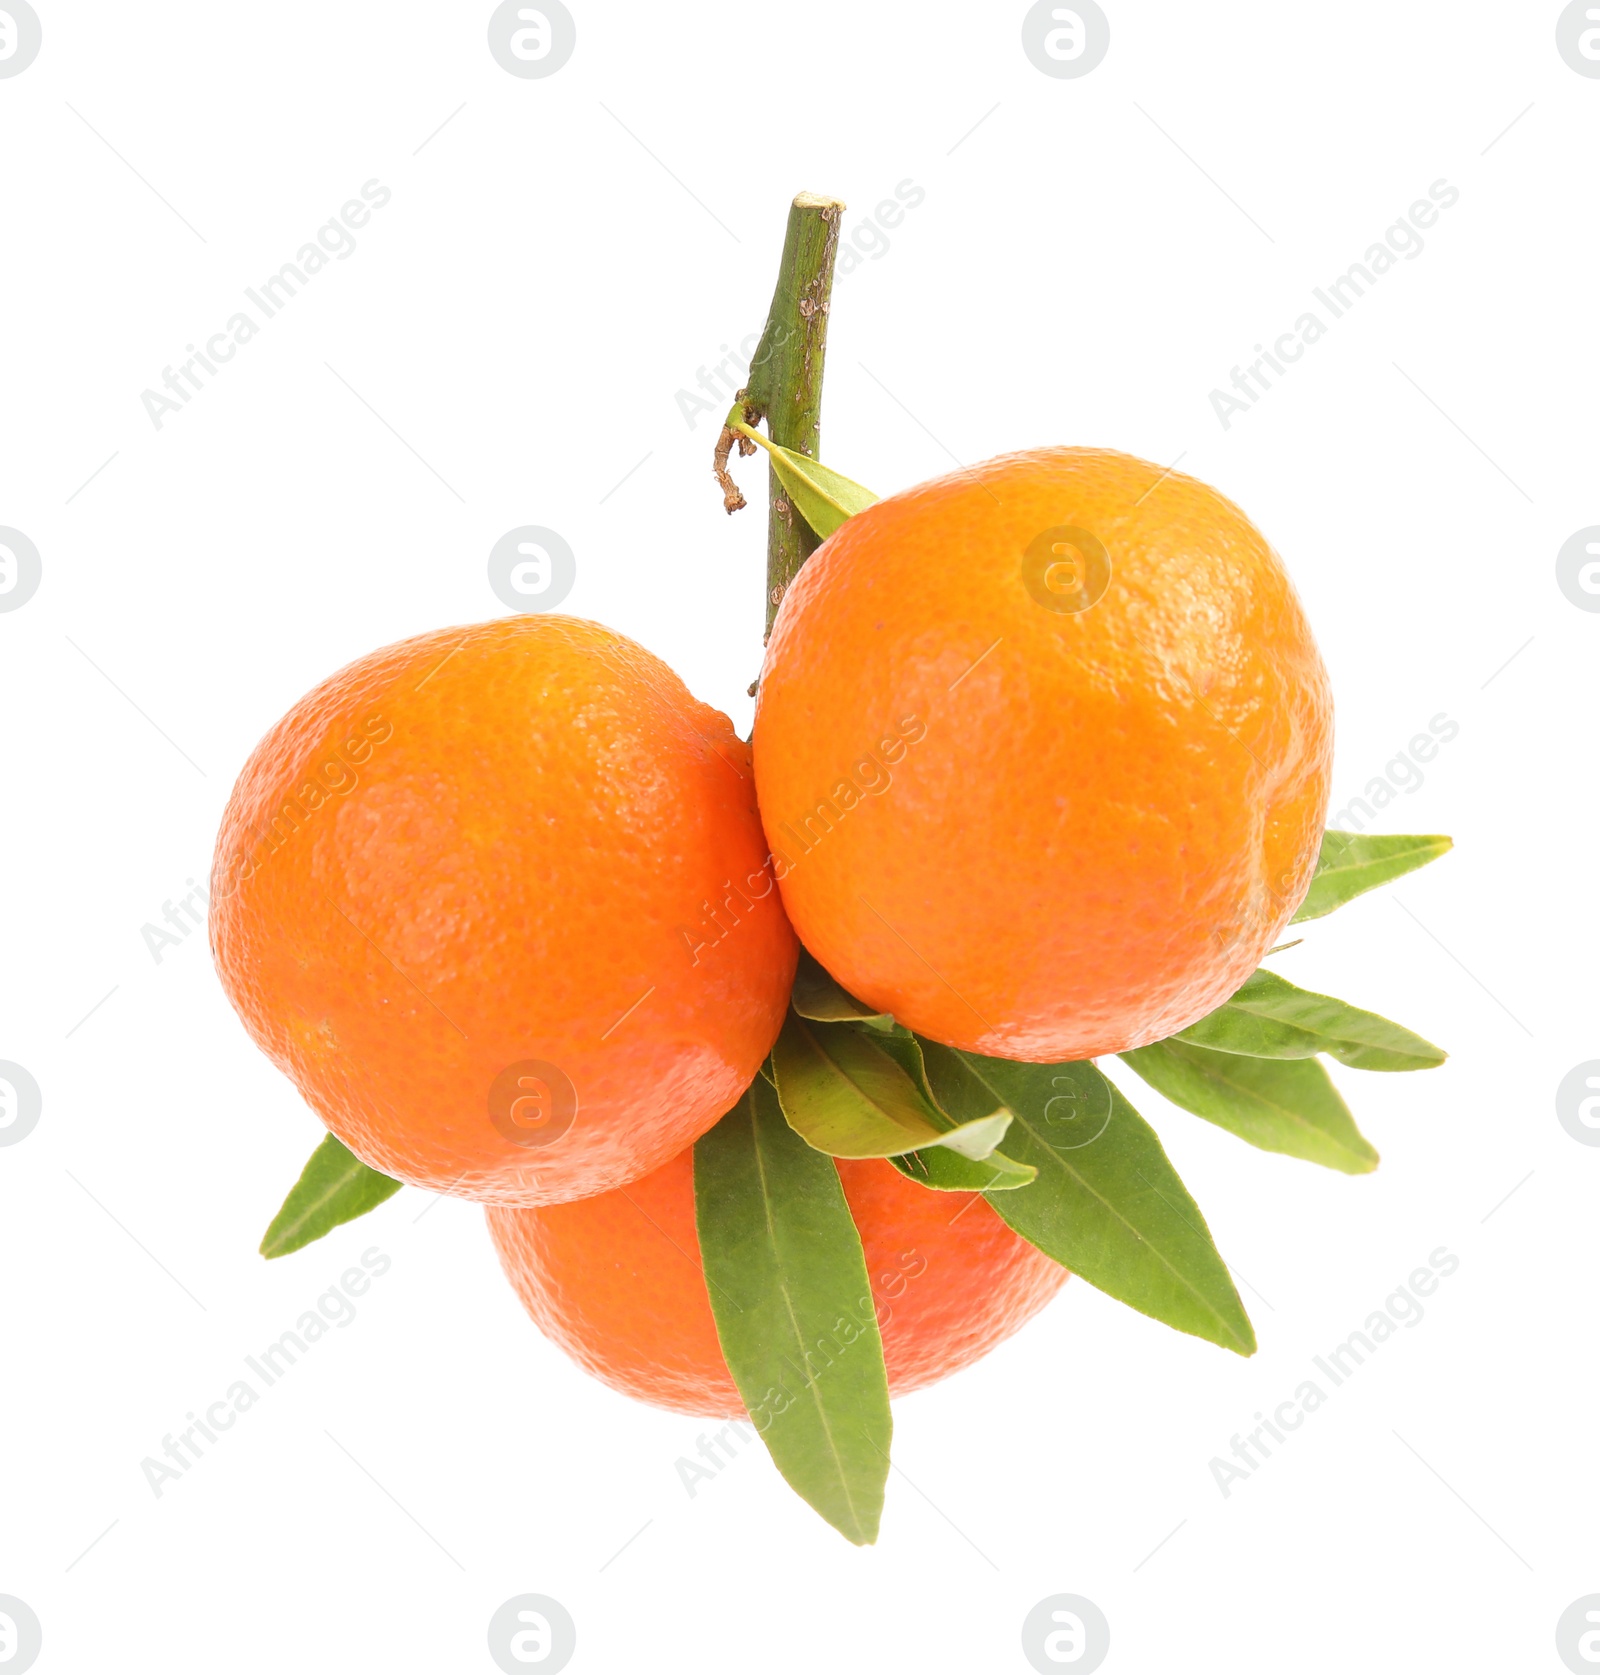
pixel 1042 750
pixel 616 1281
pixel 497 900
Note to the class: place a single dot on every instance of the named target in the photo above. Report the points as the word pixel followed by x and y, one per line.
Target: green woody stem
pixel 785 385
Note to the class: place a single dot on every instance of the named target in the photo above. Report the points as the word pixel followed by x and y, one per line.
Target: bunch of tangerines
pixel 773 1062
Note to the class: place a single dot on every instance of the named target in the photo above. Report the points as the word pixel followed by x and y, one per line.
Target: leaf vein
pixel 835 1457
pixel 1160 1255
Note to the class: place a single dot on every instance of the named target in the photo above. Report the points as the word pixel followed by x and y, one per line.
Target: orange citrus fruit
pixel 1042 752
pixel 497 900
pixel 616 1281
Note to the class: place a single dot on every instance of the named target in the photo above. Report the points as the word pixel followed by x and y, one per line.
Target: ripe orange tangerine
pixel 616 1281
pixel 497 900
pixel 1042 750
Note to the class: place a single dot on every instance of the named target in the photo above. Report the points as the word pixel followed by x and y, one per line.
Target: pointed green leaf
pixel 794 1311
pixel 823 497
pixel 816 995
pixel 1107 1203
pixel 946 1171
pixel 953 1085
pixel 334 1187
pixel 1350 865
pixel 1280 1105
pixel 906 1051
pixel 1270 1018
pixel 845 1094
pixel 937 1166
pixel 882 1023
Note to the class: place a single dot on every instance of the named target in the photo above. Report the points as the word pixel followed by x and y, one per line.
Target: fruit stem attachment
pixel 785 385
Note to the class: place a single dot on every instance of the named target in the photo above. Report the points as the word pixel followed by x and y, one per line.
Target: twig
pixel 785 385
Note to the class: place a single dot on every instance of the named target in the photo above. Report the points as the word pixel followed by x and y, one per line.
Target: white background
pixel 556 263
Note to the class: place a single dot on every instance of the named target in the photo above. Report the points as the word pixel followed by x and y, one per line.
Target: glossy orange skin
pixel 616 1282
pixel 1044 834
pixel 495 844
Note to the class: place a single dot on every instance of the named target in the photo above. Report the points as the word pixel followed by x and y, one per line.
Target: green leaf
pixel 946 1171
pixel 1107 1203
pixel 939 1167
pixel 1270 1018
pixel 1350 865
pixel 906 1051
pixel 794 1311
pixel 816 995
pixel 844 1093
pixel 821 496
pixel 334 1187
pixel 1280 1105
